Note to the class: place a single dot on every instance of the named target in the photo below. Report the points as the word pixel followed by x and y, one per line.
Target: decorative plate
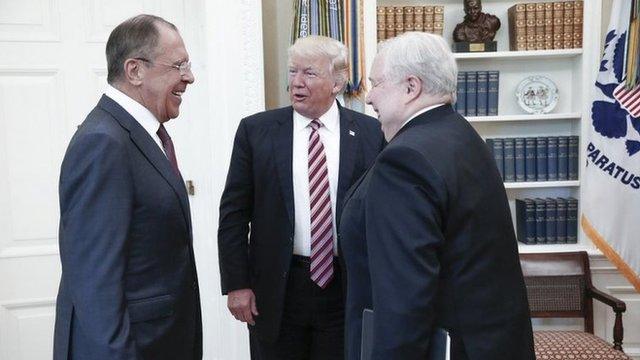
pixel 537 94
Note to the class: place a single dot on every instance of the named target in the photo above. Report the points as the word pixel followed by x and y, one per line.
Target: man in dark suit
pixel 426 234
pixel 290 169
pixel 129 284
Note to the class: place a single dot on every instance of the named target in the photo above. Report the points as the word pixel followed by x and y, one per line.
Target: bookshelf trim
pixel 521 55
pixel 524 117
pixel 541 184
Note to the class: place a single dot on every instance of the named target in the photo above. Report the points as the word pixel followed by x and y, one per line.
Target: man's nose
pixel 189 77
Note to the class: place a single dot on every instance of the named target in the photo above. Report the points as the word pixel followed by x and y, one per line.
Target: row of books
pixel 547 221
pixel 542 158
pixel 395 20
pixel 477 93
pixel 546 25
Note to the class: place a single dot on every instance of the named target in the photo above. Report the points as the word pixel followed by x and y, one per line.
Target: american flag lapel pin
pixel 352 133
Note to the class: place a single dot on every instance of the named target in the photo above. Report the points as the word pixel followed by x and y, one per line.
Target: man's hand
pixel 242 304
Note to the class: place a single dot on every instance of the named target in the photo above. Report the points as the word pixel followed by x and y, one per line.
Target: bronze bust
pixel 477 26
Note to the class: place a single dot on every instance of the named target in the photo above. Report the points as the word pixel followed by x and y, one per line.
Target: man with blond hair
pixel 290 169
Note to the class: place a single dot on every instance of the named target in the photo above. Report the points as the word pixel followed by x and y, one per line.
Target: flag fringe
pixel 610 253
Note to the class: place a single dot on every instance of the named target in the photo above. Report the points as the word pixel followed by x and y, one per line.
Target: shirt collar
pixel 142 115
pixel 420 112
pixel 330 120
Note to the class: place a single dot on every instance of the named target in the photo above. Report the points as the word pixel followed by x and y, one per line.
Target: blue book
pixel 551 213
pixel 541 221
pixel 561 220
pixel 439 340
pixel 526 221
pixel 552 158
pixel 519 159
pixel 509 160
pixel 563 156
pixel 492 93
pixel 461 94
pixel 541 158
pixel 572 221
pixel 472 91
pixel 530 159
pixel 497 150
pixel 481 93
pixel 573 157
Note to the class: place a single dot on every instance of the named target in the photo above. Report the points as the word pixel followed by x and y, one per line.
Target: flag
pixel 611 172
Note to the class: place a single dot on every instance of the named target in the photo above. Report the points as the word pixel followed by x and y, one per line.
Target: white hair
pixel 426 56
pixel 314 47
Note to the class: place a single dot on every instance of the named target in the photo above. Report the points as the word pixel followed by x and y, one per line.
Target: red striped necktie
pixel 321 218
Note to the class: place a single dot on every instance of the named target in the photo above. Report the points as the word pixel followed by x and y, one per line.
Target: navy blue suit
pixel 259 194
pixel 129 284
pixel 428 242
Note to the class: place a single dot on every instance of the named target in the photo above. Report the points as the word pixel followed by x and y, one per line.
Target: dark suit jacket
pixel 259 194
pixel 428 241
pixel 129 285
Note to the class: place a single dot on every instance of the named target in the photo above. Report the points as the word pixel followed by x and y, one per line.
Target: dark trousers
pixel 312 325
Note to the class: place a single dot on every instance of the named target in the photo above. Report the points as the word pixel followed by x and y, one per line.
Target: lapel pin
pixel 352 133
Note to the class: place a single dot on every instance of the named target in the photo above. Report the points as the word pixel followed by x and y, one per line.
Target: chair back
pixel 558 284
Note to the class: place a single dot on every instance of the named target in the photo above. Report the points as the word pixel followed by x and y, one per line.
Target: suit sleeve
pixel 236 206
pixel 96 202
pixel 404 221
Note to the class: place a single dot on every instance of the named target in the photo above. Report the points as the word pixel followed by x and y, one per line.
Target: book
pixel 561 220
pixel 428 18
pixel 517 27
pixel 390 30
pixel 439 340
pixel 541 221
pixel 539 26
pixel 572 221
pixel 578 14
pixel 548 26
pixel 573 158
pixel 530 16
pixel 558 25
pixel 526 221
pixel 399 10
pixel 461 94
pixel 509 160
pixel 496 147
pixel 418 18
pixel 381 17
pixel 541 158
pixel 563 153
pixel 481 93
pixel 472 88
pixel 493 84
pixel 552 158
pixel 530 154
pixel 438 19
pixel 567 34
pixel 409 22
pixel 550 218
pixel 519 159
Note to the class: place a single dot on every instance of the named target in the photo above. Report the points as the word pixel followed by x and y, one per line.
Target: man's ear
pixel 413 86
pixel 134 71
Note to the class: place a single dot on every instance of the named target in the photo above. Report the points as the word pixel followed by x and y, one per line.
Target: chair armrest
pixel 617 304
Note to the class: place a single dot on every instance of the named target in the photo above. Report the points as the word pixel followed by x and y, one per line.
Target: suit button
pixel 284 275
pixel 195 285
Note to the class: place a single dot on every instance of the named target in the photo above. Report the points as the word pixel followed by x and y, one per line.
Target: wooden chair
pixel 559 286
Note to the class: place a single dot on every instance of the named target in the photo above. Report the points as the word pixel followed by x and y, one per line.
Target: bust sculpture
pixel 477 26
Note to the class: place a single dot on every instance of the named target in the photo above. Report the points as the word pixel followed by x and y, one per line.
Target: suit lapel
pixel 151 151
pixel 283 152
pixel 348 138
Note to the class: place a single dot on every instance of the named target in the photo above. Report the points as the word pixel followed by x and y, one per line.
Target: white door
pixel 52 72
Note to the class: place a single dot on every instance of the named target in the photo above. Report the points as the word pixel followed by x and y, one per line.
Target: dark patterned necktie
pixel 167 144
pixel 321 218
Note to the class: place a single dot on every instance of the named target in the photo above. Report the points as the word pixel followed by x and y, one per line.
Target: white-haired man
pixel 427 236
pixel 290 169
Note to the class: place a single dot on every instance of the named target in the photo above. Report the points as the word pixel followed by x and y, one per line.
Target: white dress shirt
pixel 420 112
pixel 140 113
pixel 330 137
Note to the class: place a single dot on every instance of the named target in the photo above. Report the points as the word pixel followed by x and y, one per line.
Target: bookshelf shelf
pixel 541 184
pixel 546 248
pixel 521 55
pixel 525 117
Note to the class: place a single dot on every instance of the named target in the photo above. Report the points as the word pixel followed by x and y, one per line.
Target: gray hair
pixel 324 47
pixel 425 56
pixel 135 37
